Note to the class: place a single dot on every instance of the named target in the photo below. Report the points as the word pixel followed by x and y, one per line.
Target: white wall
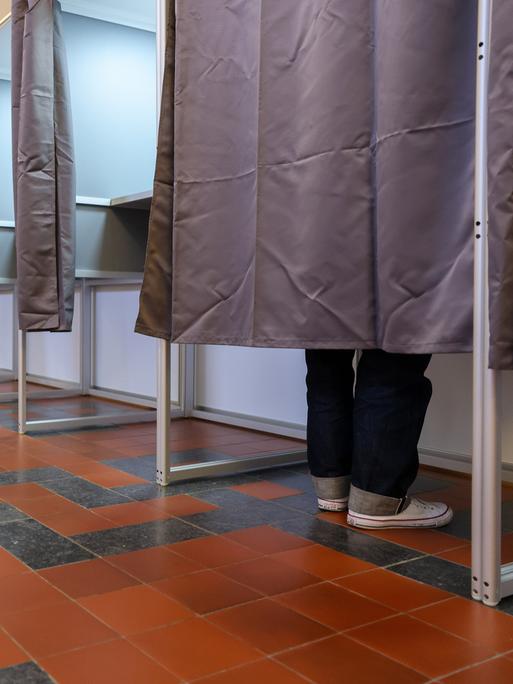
pixel 263 383
pixel 6 338
pixel 126 361
pixel 56 355
pixel 449 422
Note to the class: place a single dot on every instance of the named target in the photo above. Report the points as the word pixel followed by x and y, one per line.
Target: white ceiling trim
pixel 95 9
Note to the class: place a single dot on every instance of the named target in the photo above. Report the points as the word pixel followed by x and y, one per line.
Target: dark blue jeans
pixel 369 430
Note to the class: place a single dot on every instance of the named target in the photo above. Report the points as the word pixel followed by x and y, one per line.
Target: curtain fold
pixel 315 177
pixel 501 188
pixel 156 294
pixel 43 168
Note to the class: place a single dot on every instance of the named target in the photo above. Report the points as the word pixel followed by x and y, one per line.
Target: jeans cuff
pixel 369 503
pixel 332 487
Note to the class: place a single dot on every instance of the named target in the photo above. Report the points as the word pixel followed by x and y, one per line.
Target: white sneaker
pixel 417 513
pixel 333 505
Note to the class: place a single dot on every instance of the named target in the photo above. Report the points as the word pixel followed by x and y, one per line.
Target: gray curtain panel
pixel 315 176
pixel 44 175
pixel 501 188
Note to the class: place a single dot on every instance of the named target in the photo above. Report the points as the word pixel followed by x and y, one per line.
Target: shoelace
pixel 423 504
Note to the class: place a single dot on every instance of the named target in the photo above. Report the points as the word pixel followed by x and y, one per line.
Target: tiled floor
pixel 106 578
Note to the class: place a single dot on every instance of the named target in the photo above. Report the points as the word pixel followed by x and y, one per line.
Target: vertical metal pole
pixel 86 337
pixel 188 378
pixel 22 382
pixel 14 335
pixel 486 499
pixel 163 411
pixel 164 349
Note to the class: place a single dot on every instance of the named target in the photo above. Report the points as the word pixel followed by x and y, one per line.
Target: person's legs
pixel 391 399
pixel 330 383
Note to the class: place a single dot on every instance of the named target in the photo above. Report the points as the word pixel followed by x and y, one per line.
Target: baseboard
pixel 453 461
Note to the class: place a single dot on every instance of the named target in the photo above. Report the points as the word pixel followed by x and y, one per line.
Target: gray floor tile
pixel 141 466
pixel 39 475
pixel 142 492
pixel 239 511
pixel 460 526
pixel 38 546
pixel 137 537
pixel 424 483
pixel 28 673
pixel 9 513
pixel 437 572
pixel 347 541
pixel 307 503
pixel 506 605
pixel 85 493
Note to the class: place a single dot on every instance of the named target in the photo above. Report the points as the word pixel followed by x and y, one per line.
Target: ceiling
pixel 136 13
pixel 139 14
pixel 5 8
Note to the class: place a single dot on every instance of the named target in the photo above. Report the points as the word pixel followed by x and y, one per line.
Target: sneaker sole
pixel 332 507
pixel 367 524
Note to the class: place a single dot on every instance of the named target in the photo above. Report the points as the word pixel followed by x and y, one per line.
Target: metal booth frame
pixel 491 581
pixel 86 386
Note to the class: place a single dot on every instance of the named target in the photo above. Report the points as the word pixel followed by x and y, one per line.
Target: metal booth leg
pixel 163 411
pixel 22 382
pixel 486 466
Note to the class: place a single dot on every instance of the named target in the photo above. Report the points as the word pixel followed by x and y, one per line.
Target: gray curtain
pixel 319 188
pixel 501 188
pixel 44 176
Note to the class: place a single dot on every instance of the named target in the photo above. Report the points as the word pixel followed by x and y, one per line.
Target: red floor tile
pixel 151 565
pixel 214 551
pixel 9 565
pixel 471 620
pixel 338 659
pixel 21 492
pixel 268 575
pixel 427 541
pixel 111 477
pixel 87 578
pixel 66 626
pixel 195 648
pixel 461 555
pixel 266 490
pixel 507 548
pixel 497 671
pixel 133 513
pixel 78 522
pixel 206 591
pixel 267 671
pixel 392 590
pixel 26 591
pixel 10 461
pixel 10 653
pixel 334 607
pixel 135 609
pixel 420 646
pixel 181 505
pixel 266 539
pixel 47 506
pixel 269 626
pixel 323 562
pixel 110 663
